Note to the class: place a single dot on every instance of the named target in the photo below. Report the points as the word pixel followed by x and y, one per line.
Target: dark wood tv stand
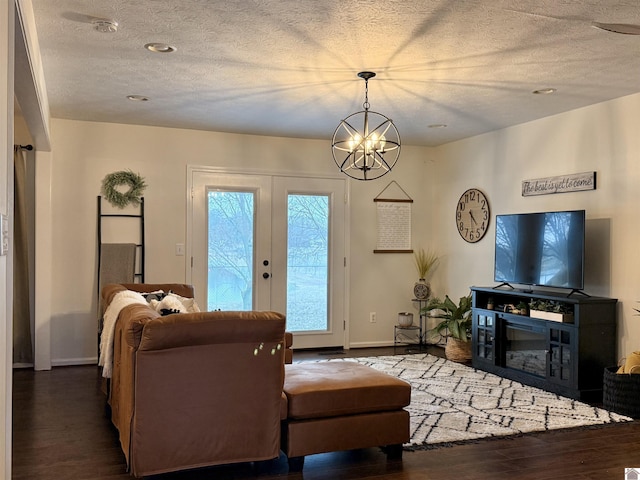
pixel 561 357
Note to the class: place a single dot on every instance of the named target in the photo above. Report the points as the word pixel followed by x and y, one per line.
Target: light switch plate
pixel 4 234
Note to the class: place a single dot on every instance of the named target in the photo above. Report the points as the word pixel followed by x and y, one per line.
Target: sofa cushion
pixel 327 389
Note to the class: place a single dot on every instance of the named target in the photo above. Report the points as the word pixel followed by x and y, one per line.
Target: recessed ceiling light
pixel 104 25
pixel 544 91
pixel 160 47
pixel 137 98
pixel 438 125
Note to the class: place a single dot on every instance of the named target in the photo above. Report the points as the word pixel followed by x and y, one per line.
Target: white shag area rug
pixel 452 403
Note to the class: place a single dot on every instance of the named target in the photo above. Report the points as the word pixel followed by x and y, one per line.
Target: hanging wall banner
pixel 394 220
pixel 394 226
pixel 575 182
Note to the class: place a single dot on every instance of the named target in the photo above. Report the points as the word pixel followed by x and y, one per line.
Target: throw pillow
pixel 157 295
pixel 168 303
pixel 189 304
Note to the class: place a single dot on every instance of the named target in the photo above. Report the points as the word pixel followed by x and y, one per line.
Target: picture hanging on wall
pixel 393 222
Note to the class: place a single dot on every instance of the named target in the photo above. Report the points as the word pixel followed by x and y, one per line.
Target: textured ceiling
pixel 288 67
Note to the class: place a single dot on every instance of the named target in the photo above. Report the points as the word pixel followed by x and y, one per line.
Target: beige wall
pixel 7 15
pixel 85 152
pixel 604 138
pixel 601 138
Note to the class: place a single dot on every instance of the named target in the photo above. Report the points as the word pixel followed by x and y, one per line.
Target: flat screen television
pixel 541 249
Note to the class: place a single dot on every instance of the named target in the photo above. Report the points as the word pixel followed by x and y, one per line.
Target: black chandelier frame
pixel 369 153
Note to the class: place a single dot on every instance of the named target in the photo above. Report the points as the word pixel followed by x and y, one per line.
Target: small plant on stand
pixel 425 262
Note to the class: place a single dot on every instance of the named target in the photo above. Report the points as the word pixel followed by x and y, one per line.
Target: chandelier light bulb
pixel 383 141
pixel 370 144
pixel 354 142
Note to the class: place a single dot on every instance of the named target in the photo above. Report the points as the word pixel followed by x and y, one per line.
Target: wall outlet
pixel 372 317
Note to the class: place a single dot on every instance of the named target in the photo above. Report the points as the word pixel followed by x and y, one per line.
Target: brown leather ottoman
pixel 342 406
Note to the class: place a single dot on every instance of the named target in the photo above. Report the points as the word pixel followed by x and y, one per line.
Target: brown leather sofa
pixel 195 389
pixel 198 389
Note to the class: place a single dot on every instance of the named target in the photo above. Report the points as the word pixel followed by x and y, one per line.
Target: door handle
pixel 265 275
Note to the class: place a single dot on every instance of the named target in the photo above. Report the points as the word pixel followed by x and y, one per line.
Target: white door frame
pixel 205 169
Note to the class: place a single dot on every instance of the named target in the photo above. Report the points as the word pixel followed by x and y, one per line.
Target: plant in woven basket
pixel 455 324
pixel 455 319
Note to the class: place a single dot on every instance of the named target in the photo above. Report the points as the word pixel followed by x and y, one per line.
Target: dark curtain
pixel 22 345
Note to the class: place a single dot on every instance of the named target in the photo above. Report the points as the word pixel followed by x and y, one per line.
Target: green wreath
pixel 118 199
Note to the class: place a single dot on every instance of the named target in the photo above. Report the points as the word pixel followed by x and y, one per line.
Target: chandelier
pixel 368 152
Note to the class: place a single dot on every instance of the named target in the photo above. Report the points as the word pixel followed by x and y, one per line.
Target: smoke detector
pixel 104 25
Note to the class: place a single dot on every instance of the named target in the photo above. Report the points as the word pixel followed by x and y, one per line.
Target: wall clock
pixel 472 215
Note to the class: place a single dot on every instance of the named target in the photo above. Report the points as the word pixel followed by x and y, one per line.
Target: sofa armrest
pixel 215 380
pixel 221 327
pixel 127 337
pixel 132 320
pixel 108 292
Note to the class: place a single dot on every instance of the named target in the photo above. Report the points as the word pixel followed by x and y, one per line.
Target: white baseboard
pixel 23 365
pixel 370 344
pixel 65 362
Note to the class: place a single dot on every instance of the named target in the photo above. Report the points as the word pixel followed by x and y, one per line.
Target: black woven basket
pixel 621 392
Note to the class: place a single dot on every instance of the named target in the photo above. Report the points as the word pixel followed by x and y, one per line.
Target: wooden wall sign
pixel 575 182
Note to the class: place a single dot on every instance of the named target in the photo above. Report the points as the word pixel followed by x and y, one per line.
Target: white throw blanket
pixel 120 300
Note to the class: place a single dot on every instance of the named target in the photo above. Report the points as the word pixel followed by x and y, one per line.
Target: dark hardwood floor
pixel 60 432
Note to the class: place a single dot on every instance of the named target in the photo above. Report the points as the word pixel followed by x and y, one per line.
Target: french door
pixel 262 242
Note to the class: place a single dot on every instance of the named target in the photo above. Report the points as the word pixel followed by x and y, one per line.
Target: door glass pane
pixel 230 250
pixel 307 262
pixel 566 355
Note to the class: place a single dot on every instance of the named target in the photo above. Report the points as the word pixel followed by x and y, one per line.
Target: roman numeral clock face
pixel 472 215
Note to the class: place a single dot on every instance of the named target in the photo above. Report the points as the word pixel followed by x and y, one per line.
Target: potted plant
pixel 551 310
pixel 455 325
pixel 523 308
pixel 490 303
pixel 425 262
